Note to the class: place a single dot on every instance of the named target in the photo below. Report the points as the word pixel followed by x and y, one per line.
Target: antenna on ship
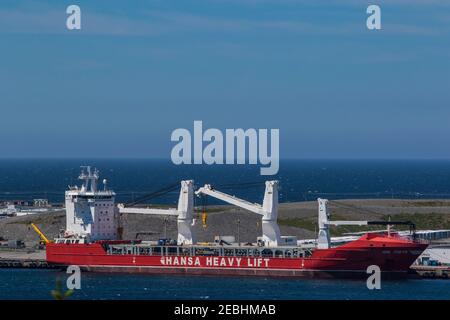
pixel 90 178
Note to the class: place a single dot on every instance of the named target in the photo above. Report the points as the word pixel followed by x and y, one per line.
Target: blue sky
pixel 139 69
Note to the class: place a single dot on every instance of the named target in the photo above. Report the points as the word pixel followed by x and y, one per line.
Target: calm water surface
pixel 37 284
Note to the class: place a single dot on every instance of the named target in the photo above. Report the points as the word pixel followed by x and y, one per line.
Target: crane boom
pixel 209 191
pixel 165 212
pixel 268 210
pixel 184 212
pixel 323 238
pixel 41 235
pixel 347 223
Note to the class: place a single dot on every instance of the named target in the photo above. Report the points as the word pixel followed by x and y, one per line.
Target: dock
pixel 33 259
pixel 432 272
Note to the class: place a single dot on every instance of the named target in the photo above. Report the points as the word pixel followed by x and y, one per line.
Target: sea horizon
pixel 300 180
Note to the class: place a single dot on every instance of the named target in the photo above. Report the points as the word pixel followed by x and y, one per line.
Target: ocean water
pixel 300 180
pixel 37 284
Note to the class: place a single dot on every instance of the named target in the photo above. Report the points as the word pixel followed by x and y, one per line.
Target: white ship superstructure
pixel 91 213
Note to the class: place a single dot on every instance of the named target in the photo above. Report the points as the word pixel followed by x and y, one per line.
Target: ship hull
pixel 392 256
pixel 266 273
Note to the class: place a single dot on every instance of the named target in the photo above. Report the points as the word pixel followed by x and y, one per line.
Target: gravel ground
pixel 223 220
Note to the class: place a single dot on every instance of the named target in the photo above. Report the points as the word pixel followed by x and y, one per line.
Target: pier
pixel 33 259
pixel 432 272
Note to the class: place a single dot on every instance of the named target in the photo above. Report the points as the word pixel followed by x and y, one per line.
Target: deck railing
pixel 219 251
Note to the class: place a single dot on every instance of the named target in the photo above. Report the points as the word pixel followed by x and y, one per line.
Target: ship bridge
pixel 90 213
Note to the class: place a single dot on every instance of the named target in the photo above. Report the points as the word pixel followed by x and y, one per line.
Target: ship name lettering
pixel 257 262
pixel 181 261
pixel 223 262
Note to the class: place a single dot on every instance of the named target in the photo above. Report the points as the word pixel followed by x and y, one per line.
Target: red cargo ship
pixel 92 221
pixel 392 254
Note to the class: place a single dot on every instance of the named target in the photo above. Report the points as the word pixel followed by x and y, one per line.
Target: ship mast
pixel 90 179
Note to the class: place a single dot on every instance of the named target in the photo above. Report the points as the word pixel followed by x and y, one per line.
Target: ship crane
pixel 323 239
pixel 41 235
pixel 184 212
pixel 268 210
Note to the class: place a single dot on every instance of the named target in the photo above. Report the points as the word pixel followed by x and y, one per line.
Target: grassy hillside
pixel 423 221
